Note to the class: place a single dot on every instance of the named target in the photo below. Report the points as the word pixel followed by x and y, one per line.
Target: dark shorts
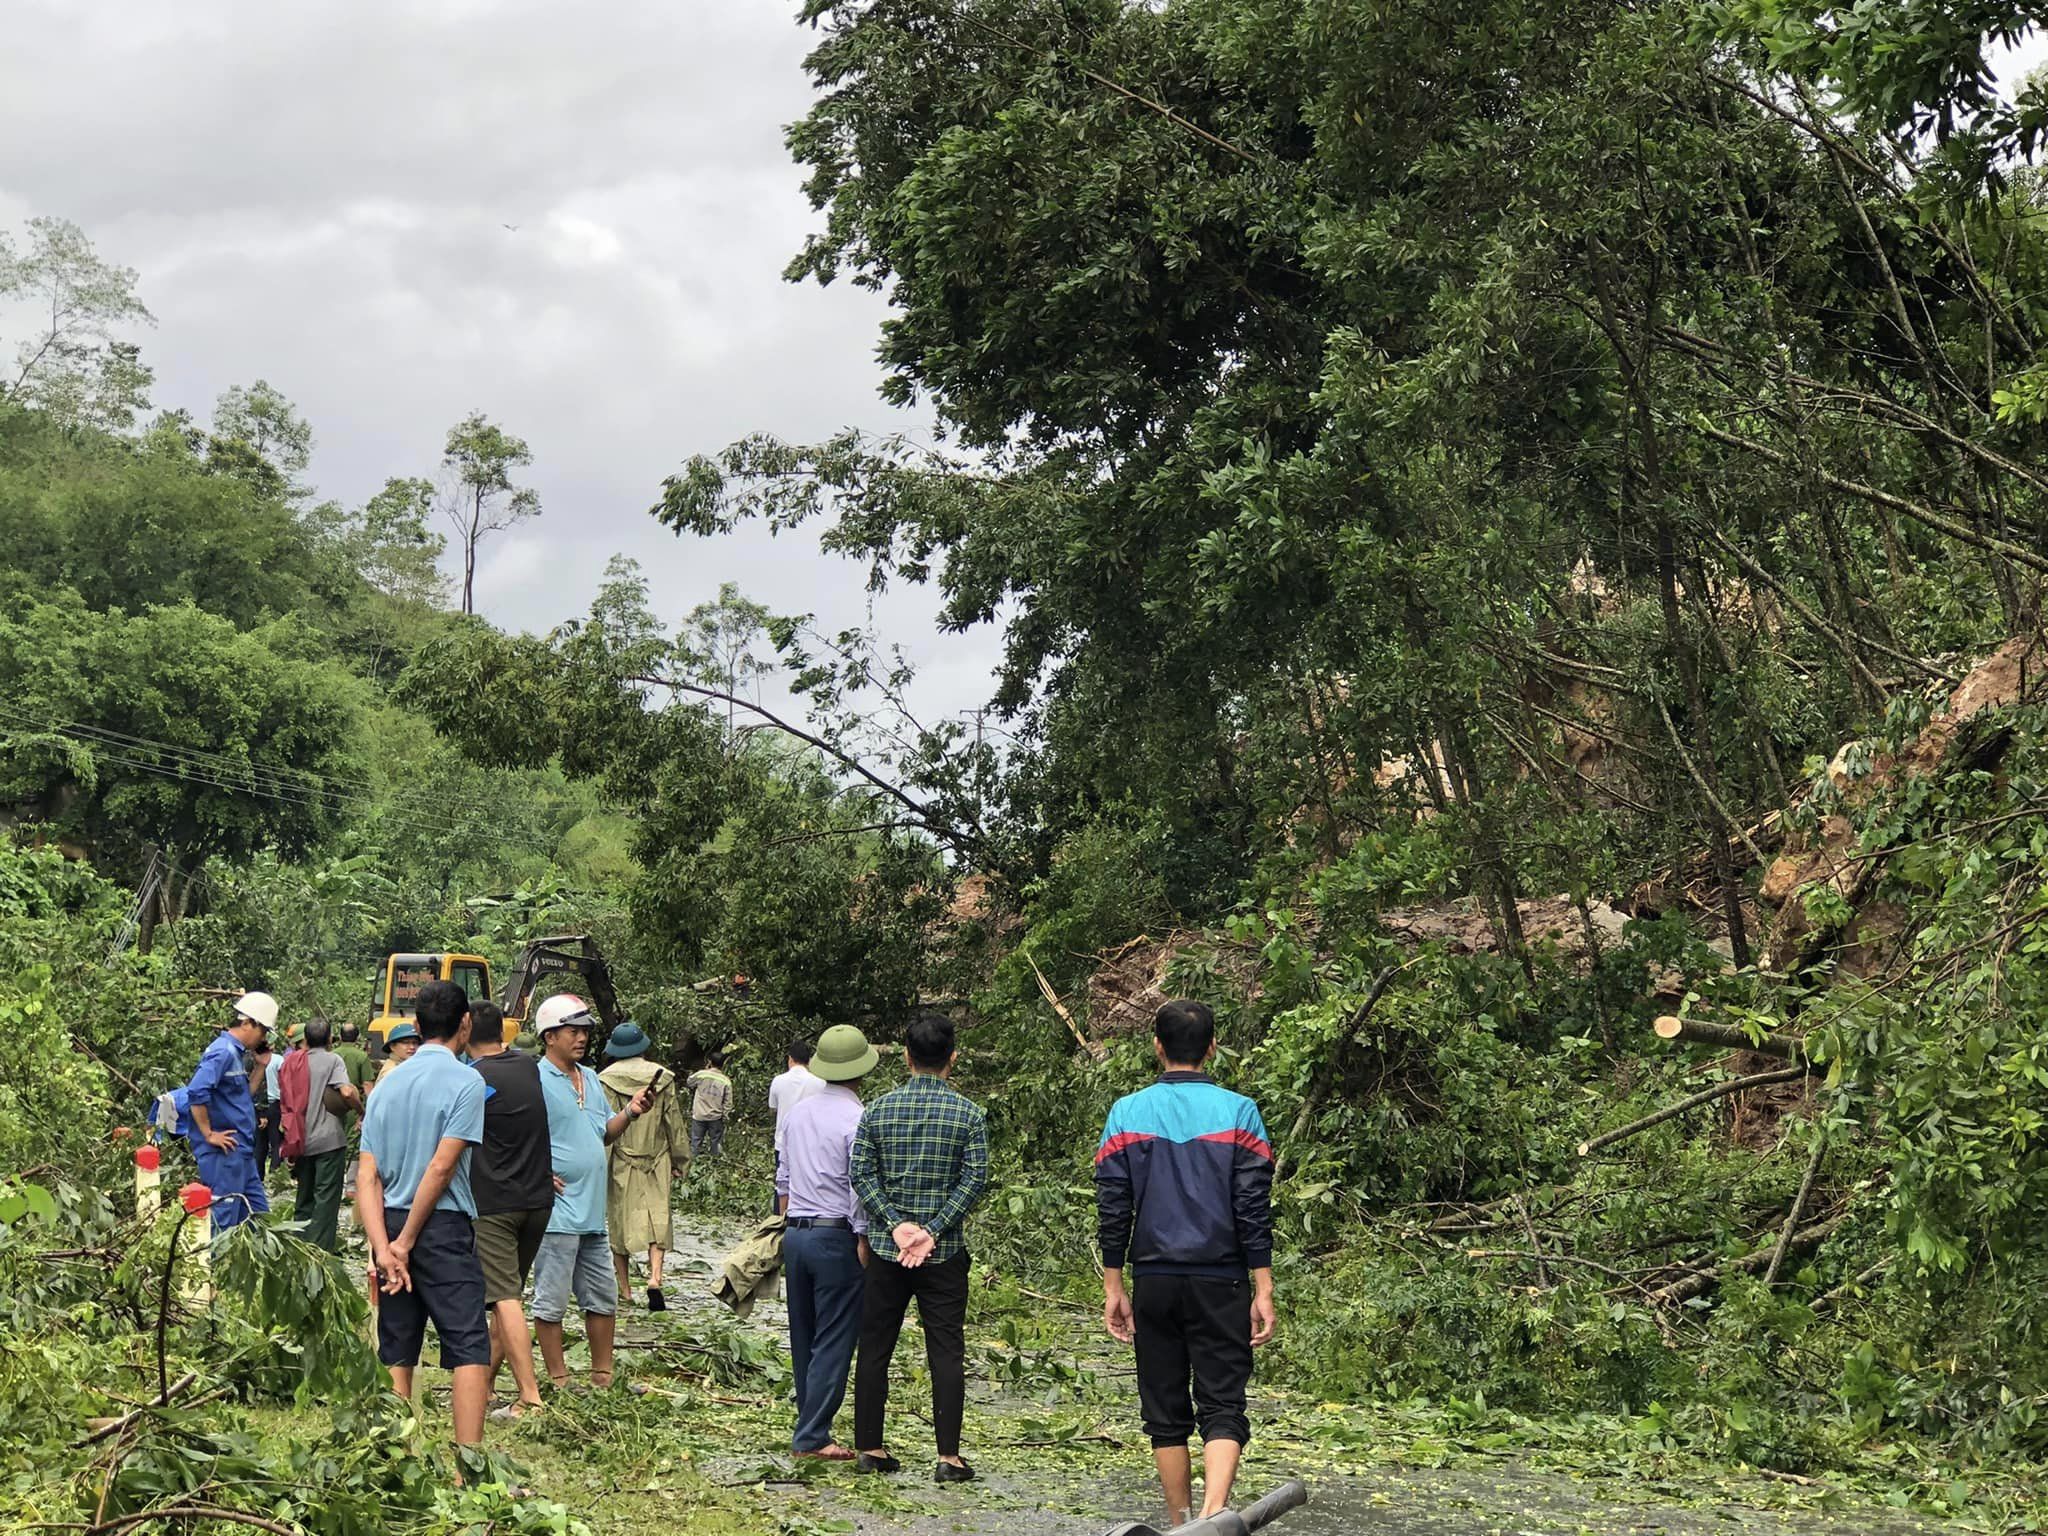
pixel 1194 1356
pixel 506 1242
pixel 447 1288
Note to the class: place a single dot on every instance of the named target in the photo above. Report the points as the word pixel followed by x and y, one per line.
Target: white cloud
pixel 317 193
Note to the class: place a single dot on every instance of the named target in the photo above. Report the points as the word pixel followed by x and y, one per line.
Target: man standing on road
pixel 1183 1189
pixel 221 1115
pixel 323 1162
pixel 357 1060
pixel 415 1205
pixel 824 1240
pixel 270 1104
pixel 711 1102
pixel 789 1089
pixel 644 1161
pixel 575 1257
pixel 920 1162
pixel 352 1054
pixel 514 1182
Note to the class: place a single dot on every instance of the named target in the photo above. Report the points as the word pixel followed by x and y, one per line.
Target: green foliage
pixel 68 310
pixel 750 858
pixel 172 728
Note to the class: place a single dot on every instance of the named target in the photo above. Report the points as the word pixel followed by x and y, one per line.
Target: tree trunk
pixel 476 516
pixel 1701 720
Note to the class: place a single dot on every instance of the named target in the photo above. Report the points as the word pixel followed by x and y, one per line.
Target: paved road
pixel 1082 1491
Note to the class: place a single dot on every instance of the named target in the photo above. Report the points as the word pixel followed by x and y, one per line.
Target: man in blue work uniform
pixel 220 1115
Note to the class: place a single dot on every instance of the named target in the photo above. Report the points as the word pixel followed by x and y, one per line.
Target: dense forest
pixel 1519 537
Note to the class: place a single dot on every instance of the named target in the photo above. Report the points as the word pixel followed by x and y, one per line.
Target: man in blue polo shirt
pixel 575 1257
pixel 220 1114
pixel 414 1202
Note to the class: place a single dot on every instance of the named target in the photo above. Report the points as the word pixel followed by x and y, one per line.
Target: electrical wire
pixel 413 797
pixel 190 765
pixel 230 772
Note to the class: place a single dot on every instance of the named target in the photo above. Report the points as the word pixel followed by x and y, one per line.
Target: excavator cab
pixel 398 989
pixel 571 956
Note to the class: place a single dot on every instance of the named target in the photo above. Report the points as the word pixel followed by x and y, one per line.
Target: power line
pixel 230 773
pixel 192 766
pixel 218 761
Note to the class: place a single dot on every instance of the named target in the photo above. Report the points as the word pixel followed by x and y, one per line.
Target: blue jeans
pixel 822 1265
pixel 237 1187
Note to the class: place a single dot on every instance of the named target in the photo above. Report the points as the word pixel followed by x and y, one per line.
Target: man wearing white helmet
pixel 221 1114
pixel 575 1258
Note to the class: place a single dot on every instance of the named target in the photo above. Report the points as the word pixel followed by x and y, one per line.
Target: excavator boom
pixel 575 954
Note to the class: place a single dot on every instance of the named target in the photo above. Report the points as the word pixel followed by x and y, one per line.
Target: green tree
pixel 479 498
pixel 173 731
pixel 128 528
pixel 719 639
pixel 259 435
pixel 70 308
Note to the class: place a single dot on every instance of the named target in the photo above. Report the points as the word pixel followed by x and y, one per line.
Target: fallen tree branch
pixel 1731 1037
pixel 1313 1100
pixel 1539 1258
pixel 177 1512
pixel 1926 516
pixel 968 837
pixel 1094 1048
pixel 1729 823
pixel 1875 1272
pixel 1701 1281
pixel 1784 1243
pixel 113 1427
pixel 1707 1096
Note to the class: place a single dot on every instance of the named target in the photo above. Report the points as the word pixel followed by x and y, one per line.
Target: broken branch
pixel 1673 1111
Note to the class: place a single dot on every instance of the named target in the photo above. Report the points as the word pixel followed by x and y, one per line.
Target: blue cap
pixel 402 1032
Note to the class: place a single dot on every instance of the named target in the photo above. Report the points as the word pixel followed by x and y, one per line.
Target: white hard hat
pixel 563 1008
pixel 258 1008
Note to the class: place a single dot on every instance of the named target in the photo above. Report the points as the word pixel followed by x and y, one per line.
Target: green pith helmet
pixel 843 1054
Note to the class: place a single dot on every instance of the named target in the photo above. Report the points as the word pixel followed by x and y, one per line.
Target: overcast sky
pixel 316 192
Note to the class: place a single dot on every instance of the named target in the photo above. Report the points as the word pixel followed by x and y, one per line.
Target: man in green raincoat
pixel 643 1161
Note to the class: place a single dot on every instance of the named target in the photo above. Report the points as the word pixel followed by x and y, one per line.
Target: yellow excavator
pixel 398 986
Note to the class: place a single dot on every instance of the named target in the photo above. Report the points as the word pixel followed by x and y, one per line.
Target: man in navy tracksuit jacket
pixel 1184 1192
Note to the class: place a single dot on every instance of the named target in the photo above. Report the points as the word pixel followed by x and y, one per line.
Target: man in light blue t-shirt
pixel 413 1200
pixel 575 1256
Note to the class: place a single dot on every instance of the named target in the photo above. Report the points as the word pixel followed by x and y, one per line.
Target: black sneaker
pixel 872 1463
pixel 656 1302
pixel 946 1472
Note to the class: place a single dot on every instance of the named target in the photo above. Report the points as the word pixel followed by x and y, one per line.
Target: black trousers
pixel 269 1137
pixel 941 1293
pixel 1193 1329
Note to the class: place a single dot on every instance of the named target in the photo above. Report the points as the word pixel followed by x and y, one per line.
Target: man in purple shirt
pixel 824 1244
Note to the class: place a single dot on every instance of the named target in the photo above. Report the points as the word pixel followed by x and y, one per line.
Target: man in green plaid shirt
pixel 920 1162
